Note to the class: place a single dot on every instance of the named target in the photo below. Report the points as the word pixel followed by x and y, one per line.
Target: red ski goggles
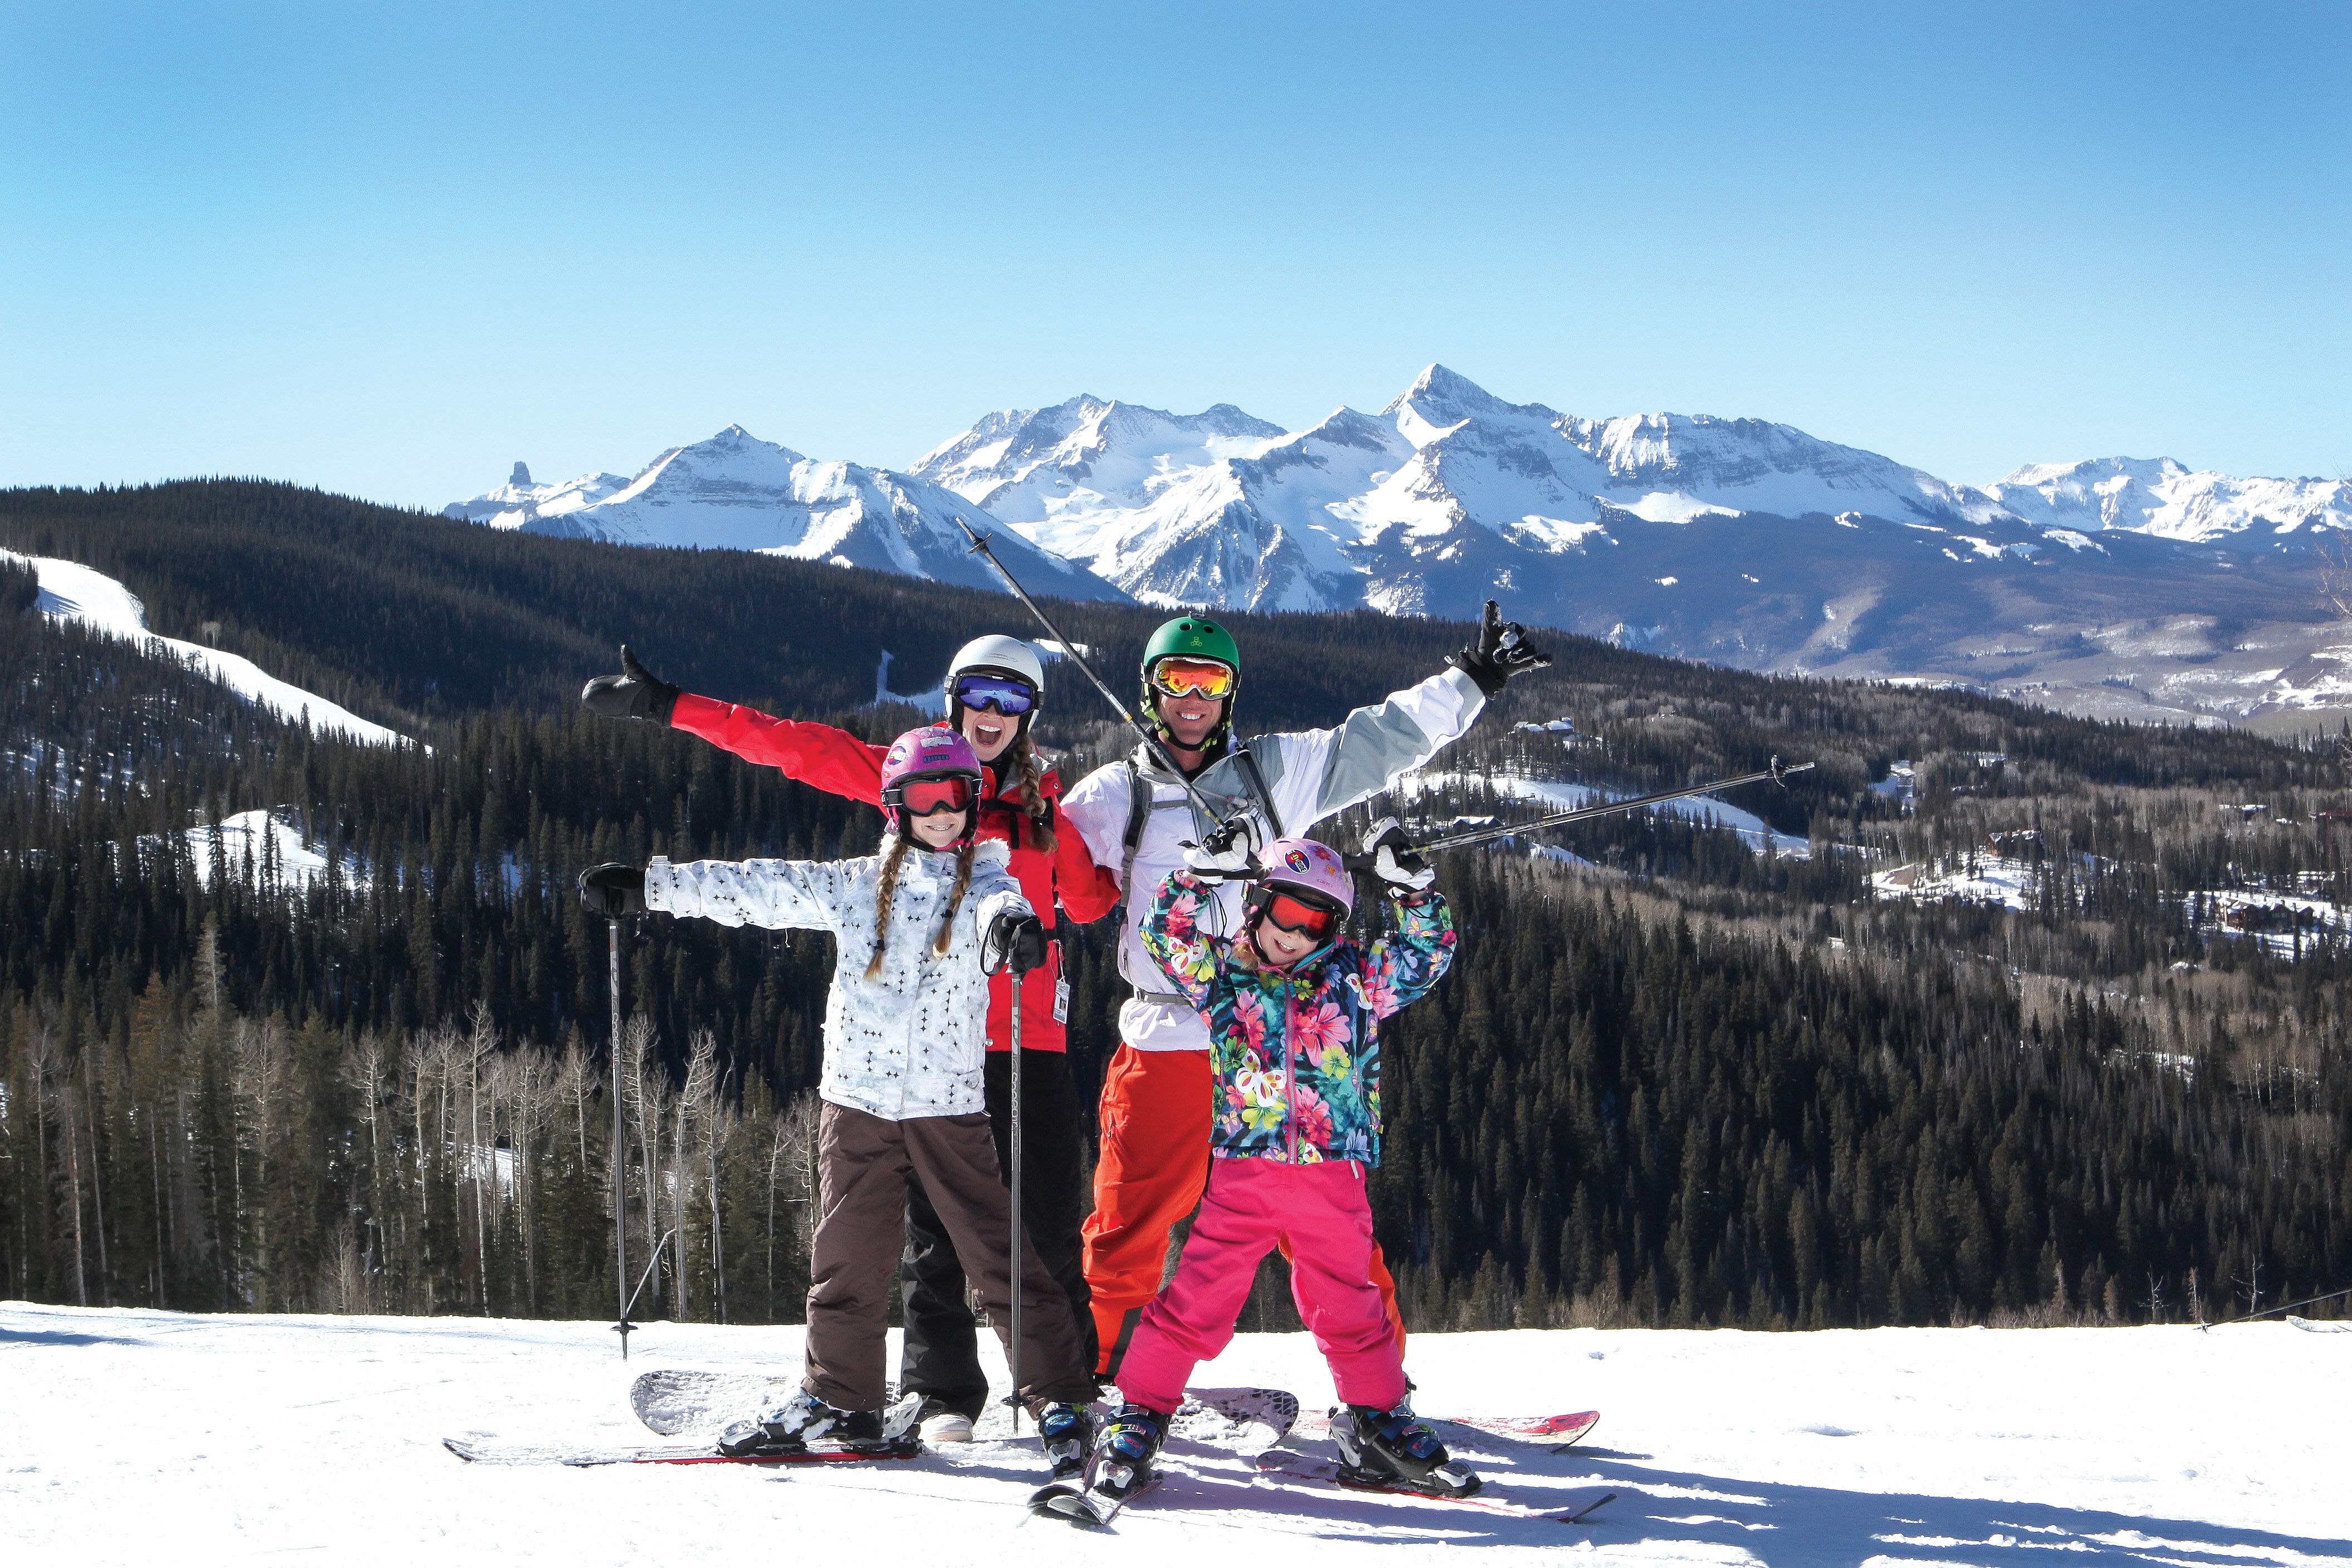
pixel 1296 915
pixel 926 797
pixel 1203 678
pixel 1006 694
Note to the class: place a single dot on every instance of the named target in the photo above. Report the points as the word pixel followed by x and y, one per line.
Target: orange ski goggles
pixel 1203 678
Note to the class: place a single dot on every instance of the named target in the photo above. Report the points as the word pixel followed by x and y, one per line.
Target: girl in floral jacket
pixel 1293 1011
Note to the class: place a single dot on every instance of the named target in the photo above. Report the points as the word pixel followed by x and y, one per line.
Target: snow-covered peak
pixel 735 491
pixel 1657 464
pixel 1443 396
pixel 2157 495
pixel 1025 464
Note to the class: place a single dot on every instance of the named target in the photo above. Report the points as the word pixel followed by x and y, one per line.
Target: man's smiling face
pixel 1189 718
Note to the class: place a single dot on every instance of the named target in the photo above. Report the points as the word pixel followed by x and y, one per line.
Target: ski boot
pixel 940 1422
pixel 1067 1432
pixel 1120 1471
pixel 1391 1451
pixel 804 1418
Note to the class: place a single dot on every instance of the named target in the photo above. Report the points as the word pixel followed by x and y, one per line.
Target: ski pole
pixel 620 1158
pixel 979 547
pixel 1012 1353
pixel 2267 1311
pixel 1776 772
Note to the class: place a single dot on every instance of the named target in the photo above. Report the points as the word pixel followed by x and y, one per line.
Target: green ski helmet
pixel 1191 637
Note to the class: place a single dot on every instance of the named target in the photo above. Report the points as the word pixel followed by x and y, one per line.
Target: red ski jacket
pixel 837 761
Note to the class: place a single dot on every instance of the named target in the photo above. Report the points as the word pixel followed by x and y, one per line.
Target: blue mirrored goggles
pixel 1008 695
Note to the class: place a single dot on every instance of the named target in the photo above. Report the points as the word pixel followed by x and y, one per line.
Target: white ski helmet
pixel 993 651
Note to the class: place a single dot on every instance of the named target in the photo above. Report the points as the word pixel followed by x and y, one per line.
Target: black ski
pixel 584 1456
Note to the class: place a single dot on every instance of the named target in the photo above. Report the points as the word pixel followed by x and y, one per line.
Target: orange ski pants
pixel 1156 1110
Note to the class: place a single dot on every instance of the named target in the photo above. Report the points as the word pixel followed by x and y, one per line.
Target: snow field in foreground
pixel 140 1437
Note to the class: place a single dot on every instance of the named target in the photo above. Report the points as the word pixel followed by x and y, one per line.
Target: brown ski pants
pixel 863 1163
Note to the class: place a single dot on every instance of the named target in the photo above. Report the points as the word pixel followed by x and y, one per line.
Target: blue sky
pixel 391 249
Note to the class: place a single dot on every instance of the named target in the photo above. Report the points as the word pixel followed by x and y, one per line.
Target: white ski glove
pixel 1230 852
pixel 1395 859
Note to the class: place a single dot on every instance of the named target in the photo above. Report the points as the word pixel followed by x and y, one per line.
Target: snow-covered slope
pixel 259 846
pixel 319 1438
pixel 71 591
pixel 2157 495
pixel 735 491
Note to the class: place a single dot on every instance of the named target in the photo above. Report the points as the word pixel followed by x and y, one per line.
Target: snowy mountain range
pixel 2115 585
pixel 735 491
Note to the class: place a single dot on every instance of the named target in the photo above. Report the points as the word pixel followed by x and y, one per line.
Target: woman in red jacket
pixel 993 687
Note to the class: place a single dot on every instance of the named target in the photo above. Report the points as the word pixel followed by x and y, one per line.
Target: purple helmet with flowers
pixel 1304 887
pixel 934 754
pixel 1302 866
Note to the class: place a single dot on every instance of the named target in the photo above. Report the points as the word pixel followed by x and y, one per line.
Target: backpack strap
pixel 1138 813
pixel 1256 783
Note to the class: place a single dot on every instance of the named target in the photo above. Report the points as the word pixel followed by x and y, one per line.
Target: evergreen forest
pixel 291 1023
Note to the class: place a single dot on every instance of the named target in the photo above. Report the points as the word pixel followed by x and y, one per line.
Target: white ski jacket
pixel 1309 775
pixel 908 1042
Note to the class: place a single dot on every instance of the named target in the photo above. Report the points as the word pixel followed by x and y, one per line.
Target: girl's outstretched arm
pixel 809 896
pixel 1406 961
pixel 1171 934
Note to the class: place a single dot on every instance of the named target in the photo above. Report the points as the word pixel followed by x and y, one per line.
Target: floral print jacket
pixel 1295 1055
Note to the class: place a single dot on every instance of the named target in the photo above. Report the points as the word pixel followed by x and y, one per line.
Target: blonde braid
pixel 955 897
pixel 885 898
pixel 1034 805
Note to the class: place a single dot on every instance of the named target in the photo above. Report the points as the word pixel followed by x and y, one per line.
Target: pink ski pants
pixel 1320 1212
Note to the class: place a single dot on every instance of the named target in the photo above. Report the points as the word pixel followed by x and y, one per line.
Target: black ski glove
pixel 635 692
pixel 1019 938
pixel 614 889
pixel 1228 854
pixel 1395 859
pixel 1500 653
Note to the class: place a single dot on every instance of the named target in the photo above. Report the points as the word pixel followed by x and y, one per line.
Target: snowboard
pixel 1281 1465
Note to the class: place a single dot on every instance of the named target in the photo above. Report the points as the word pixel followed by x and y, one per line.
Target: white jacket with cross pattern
pixel 911 1041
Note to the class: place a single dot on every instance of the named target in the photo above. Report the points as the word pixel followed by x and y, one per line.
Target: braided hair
pixel 885 898
pixel 1029 778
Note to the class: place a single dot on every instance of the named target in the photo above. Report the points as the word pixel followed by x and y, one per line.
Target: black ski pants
pixel 942 1355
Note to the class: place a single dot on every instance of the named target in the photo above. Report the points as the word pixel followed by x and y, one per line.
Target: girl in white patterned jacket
pixel 915 928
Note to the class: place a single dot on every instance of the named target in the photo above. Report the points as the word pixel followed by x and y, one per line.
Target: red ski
pixel 1558 1431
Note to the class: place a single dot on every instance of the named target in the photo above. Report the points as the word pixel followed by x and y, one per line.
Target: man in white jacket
pixel 1136 816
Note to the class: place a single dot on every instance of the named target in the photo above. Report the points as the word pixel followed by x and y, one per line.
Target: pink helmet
pixel 933 751
pixel 1305 866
